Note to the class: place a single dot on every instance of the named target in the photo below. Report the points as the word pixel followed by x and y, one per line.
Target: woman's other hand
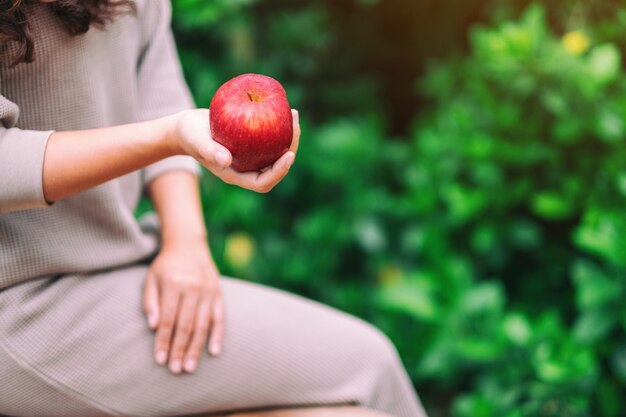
pixel 183 303
pixel 192 136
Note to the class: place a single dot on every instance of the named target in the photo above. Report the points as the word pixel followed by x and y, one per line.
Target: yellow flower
pixel 239 250
pixel 576 42
pixel 390 274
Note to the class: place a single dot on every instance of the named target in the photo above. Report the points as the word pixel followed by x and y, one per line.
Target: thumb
pixel 213 154
pixel 221 155
pixel 195 133
pixel 151 301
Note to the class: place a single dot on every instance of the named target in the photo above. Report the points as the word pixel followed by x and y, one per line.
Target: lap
pixel 86 337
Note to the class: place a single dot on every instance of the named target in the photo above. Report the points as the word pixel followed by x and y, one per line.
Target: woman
pixel 94 112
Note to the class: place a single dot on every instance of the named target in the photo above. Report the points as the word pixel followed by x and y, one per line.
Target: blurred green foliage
pixel 477 216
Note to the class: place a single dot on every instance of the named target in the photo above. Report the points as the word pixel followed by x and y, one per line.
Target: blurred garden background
pixel 461 183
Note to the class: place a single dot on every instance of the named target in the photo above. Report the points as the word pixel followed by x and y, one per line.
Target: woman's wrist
pixel 176 199
pixel 183 239
pixel 169 137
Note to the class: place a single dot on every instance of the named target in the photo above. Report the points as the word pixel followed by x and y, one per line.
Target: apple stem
pixel 250 95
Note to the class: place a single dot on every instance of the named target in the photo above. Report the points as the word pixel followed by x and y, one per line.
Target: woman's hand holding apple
pixel 191 135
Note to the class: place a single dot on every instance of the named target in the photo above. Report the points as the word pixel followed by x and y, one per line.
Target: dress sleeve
pixel 21 162
pixel 162 88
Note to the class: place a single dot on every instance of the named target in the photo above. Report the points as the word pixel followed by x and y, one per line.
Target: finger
pixel 169 309
pixel 217 327
pixel 258 181
pixel 200 334
pixel 151 301
pixel 295 141
pixel 209 152
pixel 182 333
pixel 215 155
pixel 267 180
pixel 222 156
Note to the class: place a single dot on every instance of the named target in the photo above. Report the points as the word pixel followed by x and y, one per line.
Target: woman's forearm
pixel 78 160
pixel 176 199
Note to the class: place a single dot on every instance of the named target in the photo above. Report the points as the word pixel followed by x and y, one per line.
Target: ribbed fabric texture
pixel 73 337
pixel 85 337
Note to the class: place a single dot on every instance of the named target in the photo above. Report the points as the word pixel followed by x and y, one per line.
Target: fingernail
pixel 190 365
pixel 221 158
pixel 214 349
pixel 161 357
pixel 297 115
pixel 176 366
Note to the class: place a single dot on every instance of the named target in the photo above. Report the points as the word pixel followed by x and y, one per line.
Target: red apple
pixel 250 115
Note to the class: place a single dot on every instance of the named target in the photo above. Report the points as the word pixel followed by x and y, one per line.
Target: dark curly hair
pixel 75 15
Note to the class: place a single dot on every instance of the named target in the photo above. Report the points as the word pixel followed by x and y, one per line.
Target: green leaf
pixel 618 362
pixel 594 325
pixel 620 182
pixel 552 206
pixel 370 235
pixel 486 296
pixel 478 349
pixel 604 63
pixel 413 296
pixel 473 406
pixel 562 361
pixel 517 328
pixel 464 203
pixel 603 232
pixel 610 126
pixel 594 289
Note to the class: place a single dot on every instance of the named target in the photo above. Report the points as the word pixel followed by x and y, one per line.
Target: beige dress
pixel 73 338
